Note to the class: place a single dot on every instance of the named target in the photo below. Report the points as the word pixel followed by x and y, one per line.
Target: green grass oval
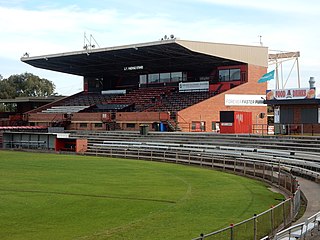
pixel 49 196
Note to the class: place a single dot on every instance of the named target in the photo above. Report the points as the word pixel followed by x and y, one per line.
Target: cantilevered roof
pixel 159 56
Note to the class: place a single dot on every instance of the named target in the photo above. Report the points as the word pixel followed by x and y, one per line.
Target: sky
pixel 42 27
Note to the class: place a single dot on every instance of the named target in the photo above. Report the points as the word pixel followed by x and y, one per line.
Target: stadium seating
pixel 64 109
pixel 143 98
pixel 149 99
pixel 180 100
pixel 75 103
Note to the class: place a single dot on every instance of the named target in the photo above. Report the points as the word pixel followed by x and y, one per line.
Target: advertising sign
pixel 244 100
pixel 132 68
pixel 293 93
pixel 194 86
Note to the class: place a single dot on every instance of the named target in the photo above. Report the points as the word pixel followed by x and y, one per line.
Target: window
pixel 98 125
pixel 83 125
pixel 198 126
pixel 286 115
pixel 184 77
pixel 164 77
pixel 176 76
pixel 224 75
pixel 153 78
pixel 215 127
pixel 143 79
pixel 131 125
pixel 203 126
pixel 229 75
pixel 193 126
pixel 309 115
pixel 234 74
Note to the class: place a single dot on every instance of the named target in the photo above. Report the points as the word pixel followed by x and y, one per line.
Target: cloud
pixel 46 30
pixel 284 6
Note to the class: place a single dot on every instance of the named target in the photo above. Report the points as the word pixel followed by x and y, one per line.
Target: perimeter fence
pixel 260 225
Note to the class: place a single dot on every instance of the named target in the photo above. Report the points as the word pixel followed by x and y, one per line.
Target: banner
pixel 194 86
pixel 244 100
pixel 293 93
pixel 266 77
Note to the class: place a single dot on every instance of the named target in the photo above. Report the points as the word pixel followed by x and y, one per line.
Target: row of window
pixel 85 125
pixel 224 76
pixel 163 77
pixel 229 75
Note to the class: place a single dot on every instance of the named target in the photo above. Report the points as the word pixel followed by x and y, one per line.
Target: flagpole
pixel 277 75
pixel 298 72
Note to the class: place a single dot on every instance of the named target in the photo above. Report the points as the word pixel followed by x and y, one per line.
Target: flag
pixel 266 77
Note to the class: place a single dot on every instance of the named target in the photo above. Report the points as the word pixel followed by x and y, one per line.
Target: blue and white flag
pixel 266 77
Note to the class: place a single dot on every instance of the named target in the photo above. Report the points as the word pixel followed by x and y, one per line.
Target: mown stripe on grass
pixel 88 195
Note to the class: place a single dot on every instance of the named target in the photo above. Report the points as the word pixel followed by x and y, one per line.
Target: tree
pixel 25 85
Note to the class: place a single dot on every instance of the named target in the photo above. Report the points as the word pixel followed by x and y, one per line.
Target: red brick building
pixel 169 85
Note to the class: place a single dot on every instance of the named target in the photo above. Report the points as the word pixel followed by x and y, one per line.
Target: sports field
pixel 49 196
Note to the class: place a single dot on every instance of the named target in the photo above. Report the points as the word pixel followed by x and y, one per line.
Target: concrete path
pixel 312 192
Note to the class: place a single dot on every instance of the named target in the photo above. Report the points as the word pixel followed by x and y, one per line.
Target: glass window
pixel 203 126
pixel 176 76
pixel 286 115
pixel 184 76
pixel 131 125
pixel 98 125
pixel 153 78
pixel 224 75
pixel 198 126
pixel 214 126
pixel 83 125
pixel 164 77
pixel 143 79
pixel 309 115
pixel 234 74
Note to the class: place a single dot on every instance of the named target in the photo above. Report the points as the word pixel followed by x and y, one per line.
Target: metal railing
pixel 286 129
pixel 260 225
pixel 301 230
pixel 256 227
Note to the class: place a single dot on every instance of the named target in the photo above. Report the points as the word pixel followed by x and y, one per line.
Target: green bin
pixel 144 129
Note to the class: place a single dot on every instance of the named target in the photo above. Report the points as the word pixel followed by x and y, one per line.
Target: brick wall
pixel 141 116
pixel 45 117
pixel 92 116
pixel 209 110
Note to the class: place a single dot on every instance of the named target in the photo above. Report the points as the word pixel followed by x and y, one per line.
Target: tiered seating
pixel 64 109
pixel 76 103
pixel 143 98
pixel 87 99
pixel 180 100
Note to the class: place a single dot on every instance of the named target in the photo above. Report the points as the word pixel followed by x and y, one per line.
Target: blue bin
pixel 162 127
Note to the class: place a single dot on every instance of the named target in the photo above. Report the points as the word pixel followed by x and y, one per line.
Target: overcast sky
pixel 43 27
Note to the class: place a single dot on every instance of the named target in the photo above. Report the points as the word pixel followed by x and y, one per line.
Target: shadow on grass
pixel 88 195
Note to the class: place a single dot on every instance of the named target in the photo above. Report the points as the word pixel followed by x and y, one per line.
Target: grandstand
pixel 180 84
